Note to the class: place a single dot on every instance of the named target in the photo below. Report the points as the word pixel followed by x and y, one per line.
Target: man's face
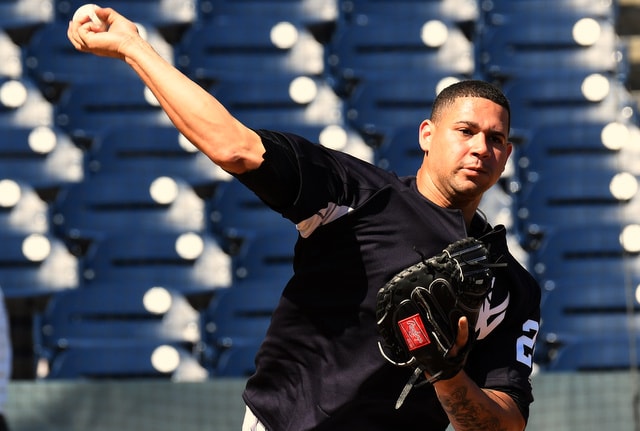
pixel 466 151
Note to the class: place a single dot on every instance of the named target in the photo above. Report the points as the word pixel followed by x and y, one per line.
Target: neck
pixel 467 205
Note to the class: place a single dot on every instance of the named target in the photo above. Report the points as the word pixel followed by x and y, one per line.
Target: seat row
pixel 343 72
pixel 137 331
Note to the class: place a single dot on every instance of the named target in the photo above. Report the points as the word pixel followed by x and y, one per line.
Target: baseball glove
pixel 418 311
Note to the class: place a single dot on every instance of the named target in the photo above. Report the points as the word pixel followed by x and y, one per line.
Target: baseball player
pixel 320 366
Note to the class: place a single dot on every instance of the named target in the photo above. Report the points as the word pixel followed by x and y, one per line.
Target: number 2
pixel 524 349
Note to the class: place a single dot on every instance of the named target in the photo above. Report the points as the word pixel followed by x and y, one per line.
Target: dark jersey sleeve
pixel 277 180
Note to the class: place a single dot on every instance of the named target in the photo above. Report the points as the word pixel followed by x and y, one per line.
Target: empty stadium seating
pixel 523 38
pixel 22 209
pixel 235 323
pixel 41 156
pixel 36 265
pixel 266 255
pixel 238 361
pixel 458 11
pixel 378 107
pixel 170 17
pixel 187 262
pixel 22 104
pixel 597 304
pixel 152 150
pixel 275 101
pixel 20 18
pixel 310 12
pixel 55 64
pixel 86 109
pixel 83 141
pixel 150 360
pixel 501 9
pixel 236 213
pixel 109 203
pixel 401 151
pixel 396 41
pixel 245 46
pixel 109 315
pixel 583 249
pixel 569 190
pixel 609 352
pixel 10 56
pixel 568 98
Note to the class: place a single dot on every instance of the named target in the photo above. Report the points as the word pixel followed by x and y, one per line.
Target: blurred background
pixel 139 279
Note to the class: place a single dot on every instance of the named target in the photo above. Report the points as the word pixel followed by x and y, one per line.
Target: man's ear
pixel 509 151
pixel 425 132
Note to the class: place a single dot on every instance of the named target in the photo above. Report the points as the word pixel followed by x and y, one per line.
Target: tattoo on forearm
pixel 469 415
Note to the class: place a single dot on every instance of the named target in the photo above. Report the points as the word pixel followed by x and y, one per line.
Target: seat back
pixel 116 202
pixel 140 361
pixel 36 265
pixel 107 314
pixel 187 262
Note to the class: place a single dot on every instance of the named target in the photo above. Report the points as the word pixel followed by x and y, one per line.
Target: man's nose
pixel 480 147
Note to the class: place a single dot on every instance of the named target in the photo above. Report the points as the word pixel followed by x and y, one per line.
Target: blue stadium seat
pixel 558 200
pixel 590 305
pixel 540 100
pixel 236 213
pixel 401 153
pixel 35 265
pixel 542 45
pixel 41 156
pixel 22 104
pixel 579 184
pixel 586 249
pixel 54 64
pixel 577 165
pixel 170 17
pixel 246 45
pixel 10 56
pixel 598 353
pixel 237 361
pixel 601 136
pixel 377 108
pixel 114 202
pixel 458 11
pixel 237 317
pixel 22 209
pixel 499 10
pixel 266 256
pixel 190 263
pixel 280 101
pixel 20 18
pixel 299 104
pixel 310 12
pixel 140 361
pixel 396 43
pixel 151 150
pixel 87 109
pixel 110 315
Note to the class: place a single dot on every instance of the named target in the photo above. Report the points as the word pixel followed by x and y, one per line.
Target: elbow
pixel 236 152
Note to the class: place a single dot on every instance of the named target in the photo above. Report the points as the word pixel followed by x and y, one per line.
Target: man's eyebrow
pixel 474 125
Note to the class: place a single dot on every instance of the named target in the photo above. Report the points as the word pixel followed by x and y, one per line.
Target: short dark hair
pixel 469 88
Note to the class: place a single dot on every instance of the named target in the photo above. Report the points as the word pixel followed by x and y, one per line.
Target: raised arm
pixel 194 112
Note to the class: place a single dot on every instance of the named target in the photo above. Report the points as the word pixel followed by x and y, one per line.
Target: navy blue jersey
pixel 319 366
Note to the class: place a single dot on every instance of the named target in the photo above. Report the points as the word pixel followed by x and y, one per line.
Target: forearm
pixel 196 113
pixel 472 408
